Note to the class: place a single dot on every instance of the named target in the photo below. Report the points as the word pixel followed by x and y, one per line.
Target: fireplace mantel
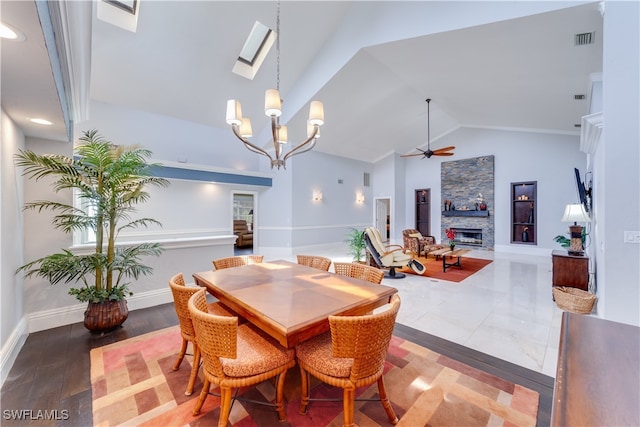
pixel 465 213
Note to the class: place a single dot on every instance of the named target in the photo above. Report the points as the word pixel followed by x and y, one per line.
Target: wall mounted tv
pixel 584 194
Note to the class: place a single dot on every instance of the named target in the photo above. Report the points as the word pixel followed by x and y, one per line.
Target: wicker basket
pixel 573 299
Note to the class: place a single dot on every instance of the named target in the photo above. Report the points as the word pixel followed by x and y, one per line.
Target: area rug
pixel 133 384
pixel 453 274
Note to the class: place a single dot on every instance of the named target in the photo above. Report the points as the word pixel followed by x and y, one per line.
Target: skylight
pixel 254 51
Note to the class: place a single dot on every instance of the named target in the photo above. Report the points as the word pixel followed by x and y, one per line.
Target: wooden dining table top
pixel 291 302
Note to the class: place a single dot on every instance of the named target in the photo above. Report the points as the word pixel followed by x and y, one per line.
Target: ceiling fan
pixel 428 152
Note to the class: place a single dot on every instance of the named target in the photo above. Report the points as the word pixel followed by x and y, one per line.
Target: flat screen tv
pixel 583 193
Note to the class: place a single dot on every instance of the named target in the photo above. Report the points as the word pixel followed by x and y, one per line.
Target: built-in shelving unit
pixel 523 212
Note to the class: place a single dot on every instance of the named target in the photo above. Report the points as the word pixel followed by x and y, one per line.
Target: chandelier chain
pixel 278 46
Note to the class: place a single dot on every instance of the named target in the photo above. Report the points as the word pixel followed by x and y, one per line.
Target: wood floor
pixel 52 371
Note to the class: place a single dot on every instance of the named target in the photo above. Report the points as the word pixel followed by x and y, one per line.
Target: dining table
pixel 289 301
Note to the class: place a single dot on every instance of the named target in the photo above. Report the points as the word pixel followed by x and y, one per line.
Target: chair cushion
pixel 318 353
pixel 418 235
pixel 256 353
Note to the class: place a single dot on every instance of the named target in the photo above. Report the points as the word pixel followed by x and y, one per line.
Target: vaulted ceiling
pixel 507 65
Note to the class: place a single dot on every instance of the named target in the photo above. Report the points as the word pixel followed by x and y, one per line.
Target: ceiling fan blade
pixel 440 150
pixel 412 155
pixel 442 154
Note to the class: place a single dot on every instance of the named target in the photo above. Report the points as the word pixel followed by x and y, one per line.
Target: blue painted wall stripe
pixel 209 176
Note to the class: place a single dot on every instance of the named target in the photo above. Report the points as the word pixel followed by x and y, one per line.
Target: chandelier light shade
pixel 241 126
pixel 575 213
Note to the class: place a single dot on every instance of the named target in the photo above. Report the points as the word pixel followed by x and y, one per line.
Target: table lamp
pixel 575 213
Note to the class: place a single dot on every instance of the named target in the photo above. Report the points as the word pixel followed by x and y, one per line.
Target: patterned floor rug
pixel 133 384
pixel 468 266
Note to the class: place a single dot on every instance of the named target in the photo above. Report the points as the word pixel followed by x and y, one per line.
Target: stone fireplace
pixel 462 182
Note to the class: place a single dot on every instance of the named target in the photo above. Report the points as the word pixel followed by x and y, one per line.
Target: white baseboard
pixel 523 250
pixel 11 348
pixel 62 316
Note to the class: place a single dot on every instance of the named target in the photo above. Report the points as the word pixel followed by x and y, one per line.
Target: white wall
pixel 340 180
pixel 12 324
pixel 519 156
pixel 619 198
pixel 170 139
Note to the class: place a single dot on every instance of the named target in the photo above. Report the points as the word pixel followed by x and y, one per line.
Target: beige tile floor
pixel 505 310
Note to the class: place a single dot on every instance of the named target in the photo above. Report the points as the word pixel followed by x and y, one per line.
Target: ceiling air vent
pixel 584 38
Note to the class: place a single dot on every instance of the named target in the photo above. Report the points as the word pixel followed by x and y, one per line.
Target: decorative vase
pixel 525 236
pixel 452 246
pixel 105 316
pixel 483 206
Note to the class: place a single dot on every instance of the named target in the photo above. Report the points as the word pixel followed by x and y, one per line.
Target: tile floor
pixel 504 310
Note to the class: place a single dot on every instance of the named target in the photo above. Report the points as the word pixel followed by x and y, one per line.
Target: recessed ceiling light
pixel 10 33
pixel 41 121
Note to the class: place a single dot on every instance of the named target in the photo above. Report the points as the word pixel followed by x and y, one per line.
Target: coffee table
pixel 447 252
pixel 292 302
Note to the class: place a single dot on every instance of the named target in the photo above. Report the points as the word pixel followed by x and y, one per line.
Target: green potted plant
pixel 565 242
pixel 355 241
pixel 109 182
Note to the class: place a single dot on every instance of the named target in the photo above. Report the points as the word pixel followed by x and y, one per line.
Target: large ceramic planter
pixel 105 316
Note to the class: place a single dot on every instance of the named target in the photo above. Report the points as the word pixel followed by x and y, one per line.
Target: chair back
pixel 314 261
pixel 374 246
pixel 181 295
pixel 237 261
pixel 240 226
pixel 217 335
pixel 359 271
pixel 365 339
pixel 410 242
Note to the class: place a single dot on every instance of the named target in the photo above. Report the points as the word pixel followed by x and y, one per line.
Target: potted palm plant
pixel 109 182
pixel 356 243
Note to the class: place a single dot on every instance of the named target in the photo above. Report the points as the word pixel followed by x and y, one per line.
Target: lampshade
pixel 316 113
pixel 245 128
pixel 272 103
pixel 575 213
pixel 234 112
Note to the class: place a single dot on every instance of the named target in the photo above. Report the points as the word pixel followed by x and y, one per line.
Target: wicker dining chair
pixel 236 356
pixel 314 261
pixel 181 294
pixel 359 271
pixel 351 355
pixel 237 261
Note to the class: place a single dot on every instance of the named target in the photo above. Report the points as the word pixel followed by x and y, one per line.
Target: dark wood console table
pixel 570 270
pixel 598 374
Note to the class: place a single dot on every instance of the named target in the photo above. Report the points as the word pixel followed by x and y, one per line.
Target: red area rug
pixel 453 274
pixel 133 384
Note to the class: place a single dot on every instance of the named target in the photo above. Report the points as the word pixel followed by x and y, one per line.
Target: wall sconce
pixel 360 198
pixel 317 196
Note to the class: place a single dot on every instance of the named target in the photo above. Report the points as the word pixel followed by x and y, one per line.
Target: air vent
pixel 579 97
pixel 366 179
pixel 577 125
pixel 584 38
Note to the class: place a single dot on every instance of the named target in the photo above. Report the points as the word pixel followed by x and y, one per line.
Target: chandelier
pixel 241 126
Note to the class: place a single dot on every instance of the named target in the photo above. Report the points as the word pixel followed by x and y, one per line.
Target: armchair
pixel 390 256
pixel 240 229
pixel 415 242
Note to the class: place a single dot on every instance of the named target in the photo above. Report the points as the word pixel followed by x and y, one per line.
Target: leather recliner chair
pixel 240 229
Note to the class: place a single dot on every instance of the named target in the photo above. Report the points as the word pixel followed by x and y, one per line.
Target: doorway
pixel 383 217
pixel 244 222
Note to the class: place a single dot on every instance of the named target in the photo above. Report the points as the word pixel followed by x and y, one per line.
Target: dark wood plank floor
pixel 52 371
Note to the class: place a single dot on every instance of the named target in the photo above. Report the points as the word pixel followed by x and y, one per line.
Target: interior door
pixel 382 218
